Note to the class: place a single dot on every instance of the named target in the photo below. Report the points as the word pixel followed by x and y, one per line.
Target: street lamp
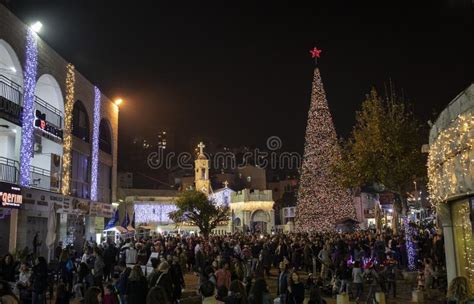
pixel 118 101
pixel 36 27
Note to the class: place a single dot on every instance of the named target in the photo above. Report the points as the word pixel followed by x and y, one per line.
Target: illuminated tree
pixel 322 201
pixel 384 148
pixel 195 208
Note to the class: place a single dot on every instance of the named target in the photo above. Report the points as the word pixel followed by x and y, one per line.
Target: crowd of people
pixel 233 269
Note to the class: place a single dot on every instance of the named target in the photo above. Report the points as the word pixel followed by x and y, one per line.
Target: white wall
pixel 43 160
pixel 7 145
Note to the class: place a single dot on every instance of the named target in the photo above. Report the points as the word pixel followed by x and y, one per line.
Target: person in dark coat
pixel 66 267
pixel 136 286
pixel 110 258
pixel 282 283
pixel 8 268
pixel 164 279
pixel 39 281
pixel 177 278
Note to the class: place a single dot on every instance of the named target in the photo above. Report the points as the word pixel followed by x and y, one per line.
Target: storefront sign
pixel 80 205
pixel 101 210
pixel 45 126
pixel 10 110
pixel 10 196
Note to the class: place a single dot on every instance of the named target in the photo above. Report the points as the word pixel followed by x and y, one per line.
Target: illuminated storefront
pixel 451 177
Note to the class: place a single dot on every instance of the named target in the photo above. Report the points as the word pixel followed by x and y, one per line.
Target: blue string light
pixel 411 252
pixel 26 152
pixel 95 144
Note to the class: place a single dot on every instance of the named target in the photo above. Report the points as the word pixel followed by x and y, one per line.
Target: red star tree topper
pixel 315 53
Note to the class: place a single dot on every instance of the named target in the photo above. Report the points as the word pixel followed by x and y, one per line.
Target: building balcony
pixel 247 195
pixel 10 90
pixel 42 179
pixel 9 170
pixel 53 115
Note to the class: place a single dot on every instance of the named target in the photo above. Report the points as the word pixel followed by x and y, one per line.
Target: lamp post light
pixel 36 27
pixel 118 102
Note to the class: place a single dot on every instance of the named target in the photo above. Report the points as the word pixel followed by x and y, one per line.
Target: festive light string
pixel 67 143
pixel 448 155
pixel 95 144
pixel 411 252
pixel 322 201
pixel 468 241
pixel 153 213
pixel 26 152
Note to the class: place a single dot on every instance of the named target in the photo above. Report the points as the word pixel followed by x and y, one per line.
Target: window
pixel 80 175
pixel 105 138
pixel 80 121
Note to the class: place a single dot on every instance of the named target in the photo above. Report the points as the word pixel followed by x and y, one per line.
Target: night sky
pixel 243 72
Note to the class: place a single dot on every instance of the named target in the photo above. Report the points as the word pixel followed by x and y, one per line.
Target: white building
pixel 58 143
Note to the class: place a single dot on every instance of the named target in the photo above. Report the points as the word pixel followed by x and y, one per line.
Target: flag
pixel 113 220
pixel 126 221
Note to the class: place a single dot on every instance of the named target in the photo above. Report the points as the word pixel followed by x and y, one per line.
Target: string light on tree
pixel 67 142
pixel 95 143
pixel 322 201
pixel 26 152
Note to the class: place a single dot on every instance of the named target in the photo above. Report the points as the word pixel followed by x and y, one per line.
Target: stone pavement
pixel 404 294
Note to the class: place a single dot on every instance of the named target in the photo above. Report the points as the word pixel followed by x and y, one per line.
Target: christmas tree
pixel 322 201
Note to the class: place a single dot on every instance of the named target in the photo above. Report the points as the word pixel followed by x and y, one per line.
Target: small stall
pixel 116 233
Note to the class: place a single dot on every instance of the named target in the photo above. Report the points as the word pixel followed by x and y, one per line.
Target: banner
pixel 101 209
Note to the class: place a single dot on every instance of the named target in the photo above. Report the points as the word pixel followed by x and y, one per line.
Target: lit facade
pixel 451 182
pixel 252 210
pixel 58 142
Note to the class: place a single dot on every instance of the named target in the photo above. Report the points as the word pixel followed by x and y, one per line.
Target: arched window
pixel 80 121
pixel 105 138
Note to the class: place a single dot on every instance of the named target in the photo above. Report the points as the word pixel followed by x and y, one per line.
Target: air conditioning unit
pixel 38 148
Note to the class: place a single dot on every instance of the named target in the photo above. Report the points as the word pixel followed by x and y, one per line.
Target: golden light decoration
pixel 468 242
pixel 70 81
pixel 449 162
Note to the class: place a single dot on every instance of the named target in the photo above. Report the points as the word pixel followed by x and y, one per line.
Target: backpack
pixel 69 265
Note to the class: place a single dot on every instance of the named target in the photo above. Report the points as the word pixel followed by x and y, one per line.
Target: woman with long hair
pixel 237 293
pixel 8 268
pixel 459 291
pixel 93 296
pixel 136 286
pixel 295 289
pixel 259 293
pixel 66 266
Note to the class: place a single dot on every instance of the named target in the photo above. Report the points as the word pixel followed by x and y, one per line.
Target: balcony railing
pixel 9 170
pixel 41 179
pixel 10 90
pixel 53 115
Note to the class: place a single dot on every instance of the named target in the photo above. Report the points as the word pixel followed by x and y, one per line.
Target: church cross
pixel 201 147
